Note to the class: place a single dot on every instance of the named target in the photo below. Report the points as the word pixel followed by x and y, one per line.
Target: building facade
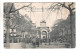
pixel 43 31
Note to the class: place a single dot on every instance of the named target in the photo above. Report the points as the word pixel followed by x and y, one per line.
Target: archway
pixel 44 34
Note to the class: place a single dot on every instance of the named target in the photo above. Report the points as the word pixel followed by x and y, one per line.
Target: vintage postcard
pixel 39 25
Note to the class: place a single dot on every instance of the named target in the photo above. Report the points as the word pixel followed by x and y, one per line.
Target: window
pixel 14 30
pixel 10 30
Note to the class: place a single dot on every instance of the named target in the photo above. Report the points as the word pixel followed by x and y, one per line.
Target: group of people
pixel 35 42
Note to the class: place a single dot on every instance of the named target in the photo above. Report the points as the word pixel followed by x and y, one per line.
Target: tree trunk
pixel 8 33
pixel 72 31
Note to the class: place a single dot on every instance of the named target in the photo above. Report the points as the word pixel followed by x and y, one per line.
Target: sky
pixel 49 16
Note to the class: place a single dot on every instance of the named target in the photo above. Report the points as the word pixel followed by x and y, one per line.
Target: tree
pixel 8 9
pixel 70 6
pixel 57 29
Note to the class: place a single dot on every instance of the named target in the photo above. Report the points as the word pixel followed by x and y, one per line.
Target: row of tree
pixel 13 19
pixel 64 30
pixel 16 20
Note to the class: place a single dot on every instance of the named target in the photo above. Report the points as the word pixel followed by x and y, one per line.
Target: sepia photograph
pixel 39 25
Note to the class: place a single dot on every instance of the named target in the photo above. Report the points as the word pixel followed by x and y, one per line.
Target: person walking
pixel 34 42
pixel 37 42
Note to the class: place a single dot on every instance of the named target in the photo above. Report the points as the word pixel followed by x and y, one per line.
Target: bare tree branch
pixel 70 4
pixel 54 6
pixel 20 8
pixel 73 8
pixel 63 5
pixel 11 8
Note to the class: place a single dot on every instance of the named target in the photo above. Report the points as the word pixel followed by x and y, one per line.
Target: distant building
pixel 43 31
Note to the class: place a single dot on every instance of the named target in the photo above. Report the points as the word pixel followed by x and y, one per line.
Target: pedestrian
pixel 34 42
pixel 37 42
